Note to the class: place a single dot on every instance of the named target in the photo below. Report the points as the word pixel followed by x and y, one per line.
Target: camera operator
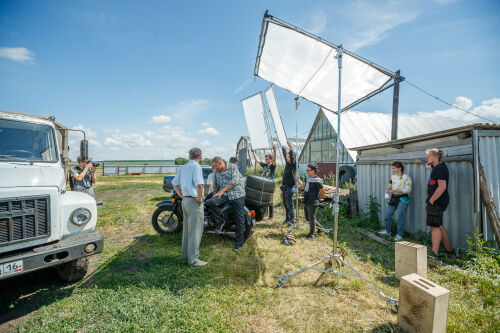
pixel 83 176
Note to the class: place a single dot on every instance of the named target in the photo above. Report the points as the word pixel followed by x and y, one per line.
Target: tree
pixel 206 161
pixel 181 161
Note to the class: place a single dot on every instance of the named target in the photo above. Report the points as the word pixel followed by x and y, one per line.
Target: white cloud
pixel 19 54
pixel 489 109
pixel 205 124
pixel 316 22
pixel 242 86
pixel 371 22
pixel 128 140
pixel 445 2
pixel 161 119
pixel 205 143
pixel 89 133
pixel 184 110
pixel 209 131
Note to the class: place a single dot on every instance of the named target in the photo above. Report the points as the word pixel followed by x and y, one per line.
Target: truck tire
pixel 261 183
pixel 346 173
pixel 74 270
pixel 256 204
pixel 163 224
pixel 258 195
pixel 260 212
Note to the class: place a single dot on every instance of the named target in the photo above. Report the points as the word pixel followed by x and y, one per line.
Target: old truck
pixel 42 224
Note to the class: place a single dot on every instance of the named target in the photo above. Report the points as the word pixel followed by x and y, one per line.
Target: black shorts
pixel 434 215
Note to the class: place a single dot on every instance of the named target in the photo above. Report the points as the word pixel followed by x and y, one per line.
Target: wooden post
pixel 489 204
pixel 395 108
pixel 353 202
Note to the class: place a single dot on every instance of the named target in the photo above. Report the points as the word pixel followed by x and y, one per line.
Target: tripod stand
pixel 336 257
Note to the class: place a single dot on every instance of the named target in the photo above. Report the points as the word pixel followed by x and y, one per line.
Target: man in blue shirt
pixel 188 184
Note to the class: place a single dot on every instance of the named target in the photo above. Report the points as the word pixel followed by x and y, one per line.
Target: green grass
pixel 140 284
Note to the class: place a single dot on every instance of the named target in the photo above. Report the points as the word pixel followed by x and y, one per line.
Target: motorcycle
pixel 167 218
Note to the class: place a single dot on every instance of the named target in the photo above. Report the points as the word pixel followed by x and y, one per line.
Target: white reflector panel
pixel 253 108
pixel 275 114
pixel 307 67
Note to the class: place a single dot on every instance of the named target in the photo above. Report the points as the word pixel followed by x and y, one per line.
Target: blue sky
pixel 150 79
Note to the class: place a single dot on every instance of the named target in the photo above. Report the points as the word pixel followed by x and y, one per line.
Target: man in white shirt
pixel 188 184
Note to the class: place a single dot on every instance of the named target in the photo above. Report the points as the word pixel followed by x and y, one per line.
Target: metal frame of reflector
pixel 336 258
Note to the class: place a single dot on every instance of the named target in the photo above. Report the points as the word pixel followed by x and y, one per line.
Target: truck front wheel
pixel 74 270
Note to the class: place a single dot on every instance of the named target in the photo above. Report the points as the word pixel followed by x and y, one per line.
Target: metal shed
pixel 464 147
pixel 244 153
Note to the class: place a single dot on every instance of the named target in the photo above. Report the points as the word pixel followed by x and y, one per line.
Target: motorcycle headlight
pixel 80 216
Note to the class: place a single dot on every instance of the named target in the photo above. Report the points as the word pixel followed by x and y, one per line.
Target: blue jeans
pixel 400 217
pixel 288 203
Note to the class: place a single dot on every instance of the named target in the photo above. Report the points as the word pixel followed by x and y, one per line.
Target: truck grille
pixel 24 218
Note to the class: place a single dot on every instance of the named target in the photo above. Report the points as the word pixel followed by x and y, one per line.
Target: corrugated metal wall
pixel 374 172
pixel 489 157
pixel 459 217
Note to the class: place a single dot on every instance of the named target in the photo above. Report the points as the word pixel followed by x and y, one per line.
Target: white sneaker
pixel 383 232
pixel 398 238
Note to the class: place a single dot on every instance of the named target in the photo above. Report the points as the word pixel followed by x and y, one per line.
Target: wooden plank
pixel 489 204
pixel 376 238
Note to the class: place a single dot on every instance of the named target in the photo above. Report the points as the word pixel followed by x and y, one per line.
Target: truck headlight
pixel 80 216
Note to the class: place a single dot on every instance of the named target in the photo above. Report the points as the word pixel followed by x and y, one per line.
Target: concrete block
pixel 423 305
pixel 410 258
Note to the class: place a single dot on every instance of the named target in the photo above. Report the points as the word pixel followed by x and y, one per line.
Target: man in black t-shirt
pixel 437 200
pixel 289 182
pixel 313 191
pixel 269 168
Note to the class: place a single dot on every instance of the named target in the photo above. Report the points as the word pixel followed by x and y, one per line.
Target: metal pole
pixel 296 153
pixel 336 208
pixel 395 107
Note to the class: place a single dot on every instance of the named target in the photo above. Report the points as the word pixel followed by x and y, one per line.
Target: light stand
pixel 334 257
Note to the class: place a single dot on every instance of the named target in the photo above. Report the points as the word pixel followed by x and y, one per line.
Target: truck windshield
pixel 22 141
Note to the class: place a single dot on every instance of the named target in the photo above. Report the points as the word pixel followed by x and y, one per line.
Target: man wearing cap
pixel 188 184
pixel 83 176
pixel 234 161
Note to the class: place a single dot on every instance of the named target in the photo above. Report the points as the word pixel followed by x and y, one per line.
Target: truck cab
pixel 41 223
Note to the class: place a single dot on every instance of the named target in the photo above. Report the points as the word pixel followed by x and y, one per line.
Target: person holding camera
pixel 83 176
pixel 398 190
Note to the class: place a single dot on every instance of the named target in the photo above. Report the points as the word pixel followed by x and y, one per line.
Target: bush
pixel 480 259
pixel 181 161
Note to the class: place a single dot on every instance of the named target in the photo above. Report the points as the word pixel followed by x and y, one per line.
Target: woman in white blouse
pixel 399 188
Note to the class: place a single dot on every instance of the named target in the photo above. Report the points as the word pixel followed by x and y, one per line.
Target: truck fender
pixel 166 203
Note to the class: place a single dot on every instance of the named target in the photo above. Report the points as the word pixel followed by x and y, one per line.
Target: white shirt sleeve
pixel 177 179
pixel 210 179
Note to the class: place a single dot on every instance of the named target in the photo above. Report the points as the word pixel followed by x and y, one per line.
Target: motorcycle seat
pixel 226 207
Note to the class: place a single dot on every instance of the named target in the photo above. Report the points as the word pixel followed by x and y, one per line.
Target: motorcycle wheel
pixel 166 222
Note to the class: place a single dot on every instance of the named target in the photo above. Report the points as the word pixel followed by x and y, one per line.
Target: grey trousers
pixel 192 229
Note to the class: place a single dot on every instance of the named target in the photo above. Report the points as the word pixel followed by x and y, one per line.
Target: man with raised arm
pixel 289 182
pixel 269 168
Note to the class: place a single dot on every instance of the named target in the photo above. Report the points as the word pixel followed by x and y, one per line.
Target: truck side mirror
pixel 84 150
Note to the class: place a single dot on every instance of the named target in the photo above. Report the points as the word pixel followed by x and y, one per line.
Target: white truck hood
pixel 38 174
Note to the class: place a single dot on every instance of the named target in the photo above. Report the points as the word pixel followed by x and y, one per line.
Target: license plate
pixel 10 268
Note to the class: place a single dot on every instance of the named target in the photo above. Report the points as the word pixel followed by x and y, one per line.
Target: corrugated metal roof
pixel 359 129
pixel 432 135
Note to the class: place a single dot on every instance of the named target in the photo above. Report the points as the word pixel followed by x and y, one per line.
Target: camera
pixel 95 165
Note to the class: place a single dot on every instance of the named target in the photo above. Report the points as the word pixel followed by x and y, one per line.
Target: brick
pixel 423 305
pixel 410 258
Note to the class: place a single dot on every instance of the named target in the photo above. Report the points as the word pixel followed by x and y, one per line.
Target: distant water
pixel 140 162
